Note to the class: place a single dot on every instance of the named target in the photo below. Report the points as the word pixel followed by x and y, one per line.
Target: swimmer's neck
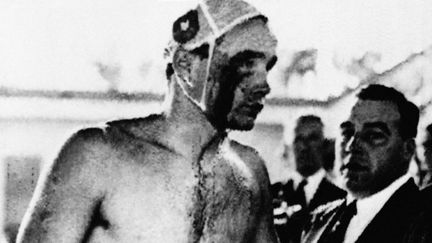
pixel 187 123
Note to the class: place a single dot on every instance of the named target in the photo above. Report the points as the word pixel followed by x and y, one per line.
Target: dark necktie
pixel 300 193
pixel 335 232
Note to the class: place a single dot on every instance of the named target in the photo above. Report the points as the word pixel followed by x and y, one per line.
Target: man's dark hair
pixel 409 112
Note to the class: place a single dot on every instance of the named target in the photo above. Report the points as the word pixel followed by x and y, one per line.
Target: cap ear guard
pixel 209 61
pixel 186 27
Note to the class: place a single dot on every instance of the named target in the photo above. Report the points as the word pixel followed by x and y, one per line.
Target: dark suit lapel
pixel 320 195
pixel 325 193
pixel 321 221
pixel 390 222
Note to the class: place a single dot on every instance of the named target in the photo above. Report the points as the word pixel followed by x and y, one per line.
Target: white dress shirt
pixel 368 207
pixel 312 185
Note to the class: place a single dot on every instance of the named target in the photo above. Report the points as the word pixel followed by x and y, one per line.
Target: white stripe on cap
pixel 209 18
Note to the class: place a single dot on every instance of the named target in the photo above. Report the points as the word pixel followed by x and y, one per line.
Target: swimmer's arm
pixel 266 231
pixel 65 197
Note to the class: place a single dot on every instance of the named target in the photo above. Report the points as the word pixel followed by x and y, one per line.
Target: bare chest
pixel 162 197
pixel 231 195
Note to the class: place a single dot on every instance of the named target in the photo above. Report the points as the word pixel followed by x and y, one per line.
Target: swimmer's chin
pixel 243 126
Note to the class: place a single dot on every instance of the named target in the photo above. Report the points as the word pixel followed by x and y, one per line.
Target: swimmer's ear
pixel 182 63
pixel 190 68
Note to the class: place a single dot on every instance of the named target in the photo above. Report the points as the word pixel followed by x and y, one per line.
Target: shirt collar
pixel 313 183
pixel 377 200
pixel 369 207
pixel 314 179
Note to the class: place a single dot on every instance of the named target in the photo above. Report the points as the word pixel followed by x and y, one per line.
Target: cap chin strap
pixel 211 40
pixel 200 102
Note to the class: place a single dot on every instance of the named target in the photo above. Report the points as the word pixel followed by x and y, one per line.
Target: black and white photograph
pixel 216 121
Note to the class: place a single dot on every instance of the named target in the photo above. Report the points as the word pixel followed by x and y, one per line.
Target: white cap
pixel 203 25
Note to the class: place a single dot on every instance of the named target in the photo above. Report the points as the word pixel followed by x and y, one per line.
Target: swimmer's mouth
pixel 254 109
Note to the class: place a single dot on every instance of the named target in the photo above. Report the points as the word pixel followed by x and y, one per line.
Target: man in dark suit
pixel 420 230
pixel 298 197
pixel 376 148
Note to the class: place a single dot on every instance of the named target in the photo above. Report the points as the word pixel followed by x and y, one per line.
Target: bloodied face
pixel 238 75
pixel 372 150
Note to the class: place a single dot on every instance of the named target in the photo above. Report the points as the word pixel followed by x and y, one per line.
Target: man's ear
pixel 182 63
pixel 409 149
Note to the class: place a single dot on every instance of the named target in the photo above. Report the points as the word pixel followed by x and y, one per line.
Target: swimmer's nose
pixel 261 91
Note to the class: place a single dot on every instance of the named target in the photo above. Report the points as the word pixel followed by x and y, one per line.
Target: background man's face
pixel 240 66
pixel 371 147
pixel 308 145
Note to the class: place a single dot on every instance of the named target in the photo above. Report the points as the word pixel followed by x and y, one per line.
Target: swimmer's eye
pixel 271 63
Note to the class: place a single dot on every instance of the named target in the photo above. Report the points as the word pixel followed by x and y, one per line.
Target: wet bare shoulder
pixel 142 130
pixel 82 149
pixel 148 126
pixel 69 188
pixel 252 158
pixel 264 231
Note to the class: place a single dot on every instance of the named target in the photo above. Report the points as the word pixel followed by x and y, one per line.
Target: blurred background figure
pixel 421 228
pixel 294 200
pixel 425 174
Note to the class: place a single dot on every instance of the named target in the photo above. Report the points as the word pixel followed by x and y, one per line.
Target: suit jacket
pixel 426 197
pixel 421 228
pixel 291 231
pixel 389 225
